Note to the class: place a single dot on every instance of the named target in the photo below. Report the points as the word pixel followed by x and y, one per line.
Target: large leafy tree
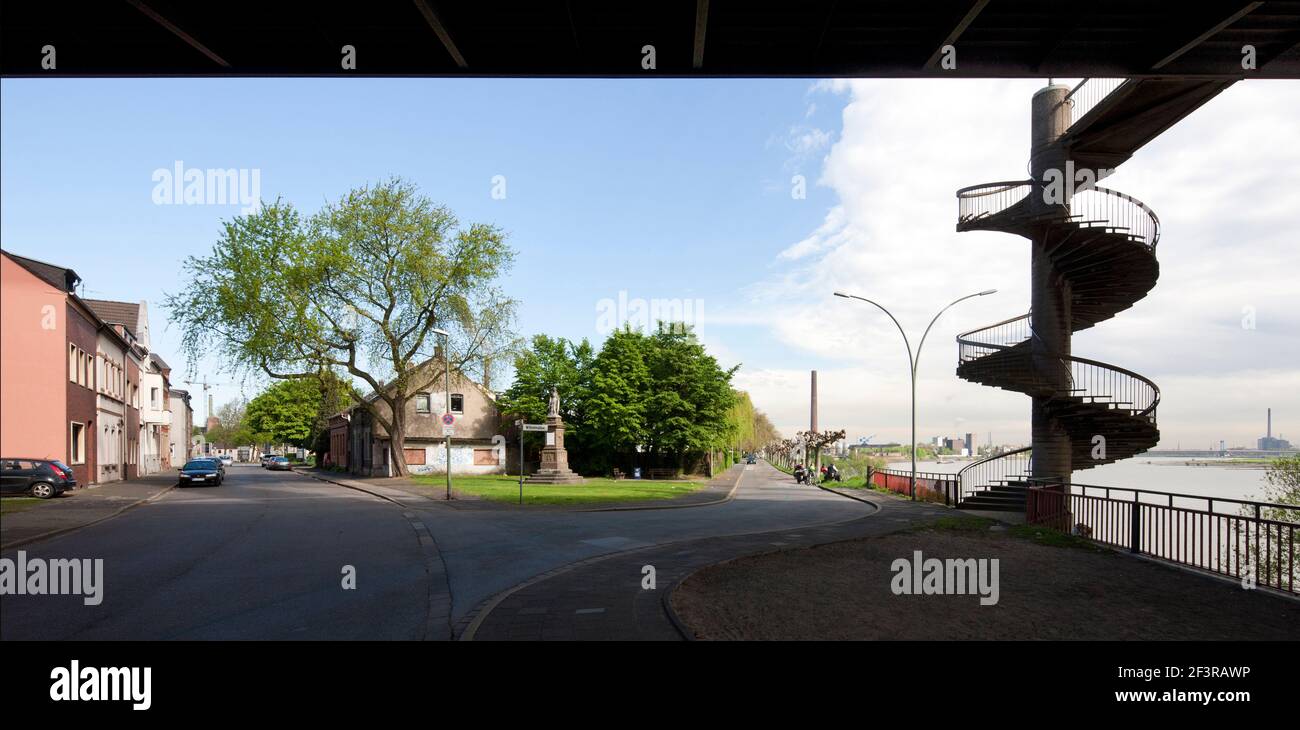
pixel 619 390
pixel 295 411
pixel 358 288
pixel 690 400
pixel 549 362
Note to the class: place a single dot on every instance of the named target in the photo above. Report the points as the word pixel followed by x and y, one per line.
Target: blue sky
pixel 680 189
pixel 664 189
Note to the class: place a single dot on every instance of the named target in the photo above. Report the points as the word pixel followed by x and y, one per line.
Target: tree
pixel 1263 551
pixel 815 441
pixel 690 395
pixel 551 362
pixel 617 399
pixel 357 288
pixel 296 411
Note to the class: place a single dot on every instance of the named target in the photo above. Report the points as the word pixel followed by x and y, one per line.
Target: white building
pixel 182 425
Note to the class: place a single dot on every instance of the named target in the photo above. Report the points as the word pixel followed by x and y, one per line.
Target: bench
pixel 659 473
pixel 618 473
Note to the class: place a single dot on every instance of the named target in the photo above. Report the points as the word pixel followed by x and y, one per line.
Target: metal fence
pixel 930 486
pixel 1231 537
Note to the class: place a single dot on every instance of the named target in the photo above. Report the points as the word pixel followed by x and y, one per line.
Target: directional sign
pixel 448 419
pixel 534 426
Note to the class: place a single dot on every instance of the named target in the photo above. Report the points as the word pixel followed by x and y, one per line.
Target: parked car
pixel 202 471
pixel 43 478
pixel 266 458
pixel 226 461
pixel 279 463
pixel 215 460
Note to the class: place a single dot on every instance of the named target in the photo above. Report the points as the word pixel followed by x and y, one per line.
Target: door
pixel 15 476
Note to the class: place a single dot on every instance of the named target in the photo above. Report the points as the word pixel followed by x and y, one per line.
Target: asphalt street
pixel 263 557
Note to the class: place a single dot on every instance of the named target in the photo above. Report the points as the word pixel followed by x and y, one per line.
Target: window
pixel 421 402
pixel 77 443
pixel 73 363
pixel 457 403
pixel 414 457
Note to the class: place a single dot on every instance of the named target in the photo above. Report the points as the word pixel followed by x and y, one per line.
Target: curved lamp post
pixel 914 360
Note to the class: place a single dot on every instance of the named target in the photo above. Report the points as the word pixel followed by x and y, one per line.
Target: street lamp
pixel 913 361
pixel 446 370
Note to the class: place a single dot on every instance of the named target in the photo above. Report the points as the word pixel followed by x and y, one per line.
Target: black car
pixel 202 471
pixel 43 478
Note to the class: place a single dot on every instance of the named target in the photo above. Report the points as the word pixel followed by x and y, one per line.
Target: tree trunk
pixel 397 437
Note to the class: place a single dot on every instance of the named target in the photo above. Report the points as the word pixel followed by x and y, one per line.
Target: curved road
pixel 262 557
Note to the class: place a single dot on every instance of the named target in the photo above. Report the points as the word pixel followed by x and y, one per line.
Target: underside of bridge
pixel 904 38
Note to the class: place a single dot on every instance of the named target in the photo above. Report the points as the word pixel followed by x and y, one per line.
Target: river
pixel 1202 477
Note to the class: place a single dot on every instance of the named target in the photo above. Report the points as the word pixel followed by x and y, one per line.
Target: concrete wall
pixel 466 458
pixel 33 365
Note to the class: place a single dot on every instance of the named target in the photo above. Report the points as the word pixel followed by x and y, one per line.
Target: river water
pixel 1202 477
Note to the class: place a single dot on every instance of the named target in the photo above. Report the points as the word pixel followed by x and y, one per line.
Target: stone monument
pixel 555 460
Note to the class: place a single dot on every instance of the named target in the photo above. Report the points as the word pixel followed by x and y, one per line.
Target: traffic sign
pixel 534 426
pixel 448 431
pixel 448 419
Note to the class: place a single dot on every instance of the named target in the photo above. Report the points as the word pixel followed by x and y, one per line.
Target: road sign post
pixel 524 427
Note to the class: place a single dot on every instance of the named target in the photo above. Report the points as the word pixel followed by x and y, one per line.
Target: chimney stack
pixel 1270 423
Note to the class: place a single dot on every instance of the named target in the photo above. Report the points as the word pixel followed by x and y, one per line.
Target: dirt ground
pixel 843 591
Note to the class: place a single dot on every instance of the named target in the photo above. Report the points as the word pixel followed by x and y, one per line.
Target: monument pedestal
pixel 555 460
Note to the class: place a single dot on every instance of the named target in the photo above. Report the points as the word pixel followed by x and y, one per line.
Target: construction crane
pixel 207 398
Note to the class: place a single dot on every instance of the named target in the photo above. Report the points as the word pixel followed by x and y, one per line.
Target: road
pixel 262 557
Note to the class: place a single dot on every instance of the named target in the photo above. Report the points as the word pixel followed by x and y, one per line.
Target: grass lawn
pixel 502 488
pixel 9 505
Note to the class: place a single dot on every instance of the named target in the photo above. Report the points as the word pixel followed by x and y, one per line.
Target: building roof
pixel 60 276
pixel 161 363
pixel 126 314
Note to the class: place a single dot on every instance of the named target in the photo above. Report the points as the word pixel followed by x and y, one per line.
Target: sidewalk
pixel 79 508
pixel 603 598
pixel 404 491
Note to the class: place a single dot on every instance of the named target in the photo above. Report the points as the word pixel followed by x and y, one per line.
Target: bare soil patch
pixel 842 591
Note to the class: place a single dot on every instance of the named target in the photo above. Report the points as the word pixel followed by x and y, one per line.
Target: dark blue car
pixel 201 471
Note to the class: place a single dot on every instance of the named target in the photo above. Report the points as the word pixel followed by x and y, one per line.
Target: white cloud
pixel 1224 183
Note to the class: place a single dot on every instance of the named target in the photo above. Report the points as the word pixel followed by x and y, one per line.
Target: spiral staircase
pixel 1101 247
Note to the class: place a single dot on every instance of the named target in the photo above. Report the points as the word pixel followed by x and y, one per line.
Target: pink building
pixel 58 372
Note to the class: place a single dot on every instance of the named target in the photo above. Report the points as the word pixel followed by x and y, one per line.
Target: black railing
pixel 1087 94
pixel 996 470
pixel 1099 207
pixel 989 199
pixel 1238 538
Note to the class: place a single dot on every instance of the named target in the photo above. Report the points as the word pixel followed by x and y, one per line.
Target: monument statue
pixel 554 468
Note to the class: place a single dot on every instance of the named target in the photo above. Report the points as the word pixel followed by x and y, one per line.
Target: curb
pixel 723 500
pixel 65 530
pixel 357 488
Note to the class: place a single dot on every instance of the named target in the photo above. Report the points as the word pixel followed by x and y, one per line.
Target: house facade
pixel 182 426
pixel 476 446
pixel 71 374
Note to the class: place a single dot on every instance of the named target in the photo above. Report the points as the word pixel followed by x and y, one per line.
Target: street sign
pixel 448 419
pixel 534 426
pixel 448 431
